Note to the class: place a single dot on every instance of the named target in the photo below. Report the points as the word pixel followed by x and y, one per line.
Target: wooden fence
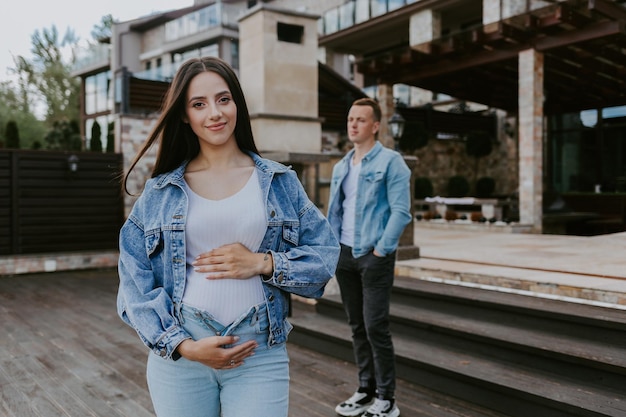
pixel 59 201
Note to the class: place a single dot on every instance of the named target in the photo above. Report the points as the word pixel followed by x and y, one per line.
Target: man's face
pixel 361 125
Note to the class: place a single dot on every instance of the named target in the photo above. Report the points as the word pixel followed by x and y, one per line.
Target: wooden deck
pixel 64 352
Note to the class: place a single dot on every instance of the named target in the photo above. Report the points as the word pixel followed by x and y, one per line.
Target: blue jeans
pixel 365 285
pixel 259 387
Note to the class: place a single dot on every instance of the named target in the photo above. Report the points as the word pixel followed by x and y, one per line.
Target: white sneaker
pixel 355 405
pixel 382 408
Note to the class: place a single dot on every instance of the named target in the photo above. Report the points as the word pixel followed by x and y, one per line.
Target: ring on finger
pixel 232 362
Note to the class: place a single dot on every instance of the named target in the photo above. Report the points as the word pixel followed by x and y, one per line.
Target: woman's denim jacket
pixel 383 202
pixel 152 262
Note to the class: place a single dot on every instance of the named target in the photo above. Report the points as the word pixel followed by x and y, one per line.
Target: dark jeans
pixel 365 285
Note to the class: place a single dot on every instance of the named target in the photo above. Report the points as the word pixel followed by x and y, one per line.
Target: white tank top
pixel 349 187
pixel 211 224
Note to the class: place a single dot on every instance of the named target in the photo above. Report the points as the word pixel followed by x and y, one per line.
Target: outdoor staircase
pixel 518 355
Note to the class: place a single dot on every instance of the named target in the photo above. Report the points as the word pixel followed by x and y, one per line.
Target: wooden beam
pixel 566 14
pixel 607 8
pixel 591 32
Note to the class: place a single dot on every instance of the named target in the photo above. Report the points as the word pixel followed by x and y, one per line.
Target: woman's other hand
pixel 211 352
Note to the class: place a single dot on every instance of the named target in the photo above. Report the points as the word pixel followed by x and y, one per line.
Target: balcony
pixel 355 12
pixel 91 58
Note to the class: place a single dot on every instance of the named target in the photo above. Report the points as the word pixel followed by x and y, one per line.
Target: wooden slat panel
pixel 5 203
pixel 58 210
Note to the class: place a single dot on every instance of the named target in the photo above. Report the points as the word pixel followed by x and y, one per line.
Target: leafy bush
pixel 12 135
pixel 423 188
pixel 96 137
pixel 458 186
pixel 485 187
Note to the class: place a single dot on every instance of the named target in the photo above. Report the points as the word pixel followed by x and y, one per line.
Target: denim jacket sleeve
pixel 144 301
pixel 304 248
pixel 399 199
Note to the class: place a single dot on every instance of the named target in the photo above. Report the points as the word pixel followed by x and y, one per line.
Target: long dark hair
pixel 177 142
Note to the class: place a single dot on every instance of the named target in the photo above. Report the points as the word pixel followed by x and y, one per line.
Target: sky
pixel 21 18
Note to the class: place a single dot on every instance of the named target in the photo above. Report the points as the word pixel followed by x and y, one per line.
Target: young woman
pixel 210 251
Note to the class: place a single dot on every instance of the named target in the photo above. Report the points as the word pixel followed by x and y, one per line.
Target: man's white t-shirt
pixel 349 188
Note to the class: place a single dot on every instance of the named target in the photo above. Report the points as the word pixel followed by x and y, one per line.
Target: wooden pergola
pixel 583 42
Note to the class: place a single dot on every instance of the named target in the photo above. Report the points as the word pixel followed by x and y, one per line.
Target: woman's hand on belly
pixel 211 352
pixel 233 261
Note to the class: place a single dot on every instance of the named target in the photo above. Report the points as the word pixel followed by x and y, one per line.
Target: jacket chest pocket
pixel 284 235
pixel 291 233
pixel 374 182
pixel 154 242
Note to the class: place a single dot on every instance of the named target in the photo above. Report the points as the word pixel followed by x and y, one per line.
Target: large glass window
pixel 97 93
pixel 587 151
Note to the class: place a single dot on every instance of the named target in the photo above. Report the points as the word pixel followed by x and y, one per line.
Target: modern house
pixel 544 81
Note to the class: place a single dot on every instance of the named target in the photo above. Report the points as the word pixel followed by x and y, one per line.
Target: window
pixel 586 149
pixel 97 92
pixel 289 33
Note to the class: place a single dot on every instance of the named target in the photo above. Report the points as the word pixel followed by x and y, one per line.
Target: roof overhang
pixel 583 42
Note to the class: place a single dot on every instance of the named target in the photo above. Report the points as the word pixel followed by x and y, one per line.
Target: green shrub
pixel 96 137
pixel 485 187
pixel 12 135
pixel 458 186
pixel 423 188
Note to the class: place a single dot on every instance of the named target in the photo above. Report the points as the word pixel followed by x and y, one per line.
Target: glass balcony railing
pixel 91 56
pixel 356 11
pixel 217 14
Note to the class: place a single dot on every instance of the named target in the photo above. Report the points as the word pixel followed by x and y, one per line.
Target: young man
pixel 369 207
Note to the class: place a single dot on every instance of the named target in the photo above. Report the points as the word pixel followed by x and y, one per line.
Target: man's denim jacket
pixel 152 255
pixel 383 202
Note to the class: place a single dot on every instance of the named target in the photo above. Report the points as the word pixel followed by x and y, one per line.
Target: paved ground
pixel 592 268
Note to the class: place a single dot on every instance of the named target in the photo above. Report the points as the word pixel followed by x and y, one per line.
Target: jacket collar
pixel 371 154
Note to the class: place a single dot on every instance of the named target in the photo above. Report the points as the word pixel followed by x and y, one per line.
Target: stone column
pixel 424 26
pixel 387 107
pixel 407 248
pixel 531 97
pixel 279 75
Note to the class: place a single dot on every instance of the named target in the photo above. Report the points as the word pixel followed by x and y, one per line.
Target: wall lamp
pixel 72 163
pixel 396 125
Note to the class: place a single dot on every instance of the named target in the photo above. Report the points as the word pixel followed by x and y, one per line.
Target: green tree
pixel 64 135
pixel 12 135
pixel 102 31
pixel 49 75
pixel 14 107
pixel 42 96
pixel 96 137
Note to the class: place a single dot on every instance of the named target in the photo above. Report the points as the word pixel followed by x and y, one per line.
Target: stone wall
pixel 133 132
pixel 441 159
